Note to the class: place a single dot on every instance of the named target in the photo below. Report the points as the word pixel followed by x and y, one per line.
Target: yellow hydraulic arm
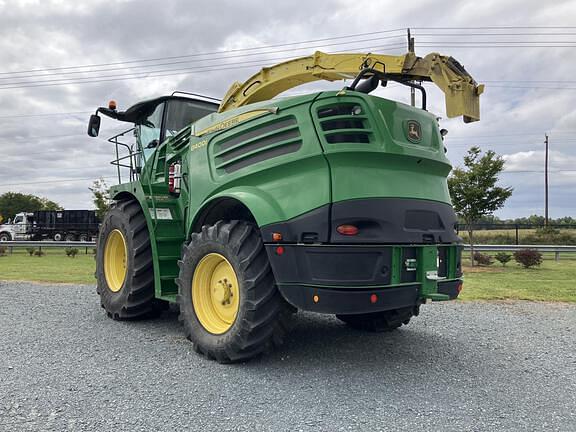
pixel 462 93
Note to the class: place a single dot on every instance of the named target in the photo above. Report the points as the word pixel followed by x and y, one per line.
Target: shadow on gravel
pixel 323 342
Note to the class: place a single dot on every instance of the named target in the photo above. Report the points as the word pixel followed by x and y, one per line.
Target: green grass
pixel 552 281
pixel 55 266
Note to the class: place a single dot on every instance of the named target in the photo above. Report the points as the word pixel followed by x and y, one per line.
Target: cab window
pixel 180 113
pixel 150 131
pixel 18 219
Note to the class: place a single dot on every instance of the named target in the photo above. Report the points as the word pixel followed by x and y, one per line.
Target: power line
pixel 44 115
pixel 143 75
pixel 53 181
pixel 202 60
pixel 148 72
pixel 209 53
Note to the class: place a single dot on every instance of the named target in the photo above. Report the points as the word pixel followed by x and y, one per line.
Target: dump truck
pixel 57 225
pixel 245 210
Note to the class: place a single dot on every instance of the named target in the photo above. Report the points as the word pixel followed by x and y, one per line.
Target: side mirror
pixel 94 125
pixel 152 144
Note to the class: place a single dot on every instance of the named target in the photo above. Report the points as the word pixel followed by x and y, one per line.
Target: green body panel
pixel 390 164
pixel 307 172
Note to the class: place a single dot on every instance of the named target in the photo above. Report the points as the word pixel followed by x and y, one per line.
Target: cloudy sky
pixel 59 60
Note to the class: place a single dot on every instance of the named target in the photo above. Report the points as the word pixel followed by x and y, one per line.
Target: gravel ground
pixel 458 366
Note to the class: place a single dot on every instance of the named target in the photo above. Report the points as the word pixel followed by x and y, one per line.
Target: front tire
pixel 124 264
pixel 4 237
pixel 229 303
pixel 378 322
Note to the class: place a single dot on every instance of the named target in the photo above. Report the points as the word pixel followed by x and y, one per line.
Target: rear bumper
pixel 349 279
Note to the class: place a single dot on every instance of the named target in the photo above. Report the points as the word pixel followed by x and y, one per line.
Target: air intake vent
pixel 344 123
pixel 182 139
pixel 265 142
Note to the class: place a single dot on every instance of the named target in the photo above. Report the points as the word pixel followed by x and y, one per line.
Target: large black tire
pixel 5 237
pixel 380 321
pixel 69 237
pixel 263 316
pixel 135 299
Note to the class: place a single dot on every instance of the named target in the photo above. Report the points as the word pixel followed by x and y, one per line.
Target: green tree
pixel 100 197
pixel 15 202
pixel 473 189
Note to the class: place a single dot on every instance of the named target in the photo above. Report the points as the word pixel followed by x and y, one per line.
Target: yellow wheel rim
pixel 115 257
pixel 215 293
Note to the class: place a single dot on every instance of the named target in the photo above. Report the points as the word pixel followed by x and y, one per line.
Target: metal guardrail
pixel 541 248
pixel 557 249
pixel 47 244
pixel 26 243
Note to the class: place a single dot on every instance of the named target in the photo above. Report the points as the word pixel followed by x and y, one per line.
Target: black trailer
pixel 69 225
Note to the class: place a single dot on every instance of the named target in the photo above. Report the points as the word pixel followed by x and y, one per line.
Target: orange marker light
pixel 276 236
pixel 460 287
pixel 373 298
pixel 315 299
pixel 349 230
pixel 112 105
pixel 279 250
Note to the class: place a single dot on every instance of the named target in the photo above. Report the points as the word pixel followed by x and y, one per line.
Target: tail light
pixel 348 230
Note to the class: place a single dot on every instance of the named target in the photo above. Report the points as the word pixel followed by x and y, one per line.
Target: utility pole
pixel 411 49
pixel 546 182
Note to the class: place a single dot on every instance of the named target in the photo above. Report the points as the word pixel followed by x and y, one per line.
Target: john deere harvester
pixel 246 210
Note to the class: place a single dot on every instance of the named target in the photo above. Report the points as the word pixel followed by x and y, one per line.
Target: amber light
pixel 112 105
pixel 276 236
pixel 316 298
pixel 349 230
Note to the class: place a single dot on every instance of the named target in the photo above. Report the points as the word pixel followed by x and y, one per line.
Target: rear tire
pixel 126 290
pixel 69 237
pixel 58 237
pixel 380 321
pixel 260 318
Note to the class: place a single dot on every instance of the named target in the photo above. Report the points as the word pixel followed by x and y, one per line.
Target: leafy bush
pixel 39 253
pixel 30 251
pixel 528 257
pixel 482 259
pixel 503 257
pixel 71 252
pixel 2 250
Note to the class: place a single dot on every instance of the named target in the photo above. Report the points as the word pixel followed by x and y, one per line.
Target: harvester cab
pixel 245 211
pixel 154 121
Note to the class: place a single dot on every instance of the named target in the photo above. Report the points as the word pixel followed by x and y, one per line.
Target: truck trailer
pixel 57 225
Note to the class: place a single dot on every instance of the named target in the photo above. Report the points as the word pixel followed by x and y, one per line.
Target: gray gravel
pixel 459 366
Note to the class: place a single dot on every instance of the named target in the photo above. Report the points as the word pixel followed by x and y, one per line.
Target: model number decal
pixel 198 145
pixel 161 213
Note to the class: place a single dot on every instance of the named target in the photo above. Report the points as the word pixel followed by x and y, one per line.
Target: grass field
pixel 552 281
pixel 55 266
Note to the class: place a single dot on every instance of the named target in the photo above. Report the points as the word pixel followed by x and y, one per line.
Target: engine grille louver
pixel 344 123
pixel 268 141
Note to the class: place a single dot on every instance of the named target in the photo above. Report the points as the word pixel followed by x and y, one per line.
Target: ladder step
pixel 169 258
pixel 167 239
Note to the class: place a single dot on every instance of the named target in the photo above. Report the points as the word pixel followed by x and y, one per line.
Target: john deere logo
pixel 414 131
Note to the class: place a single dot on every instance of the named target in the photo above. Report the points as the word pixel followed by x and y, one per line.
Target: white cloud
pixel 48 34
